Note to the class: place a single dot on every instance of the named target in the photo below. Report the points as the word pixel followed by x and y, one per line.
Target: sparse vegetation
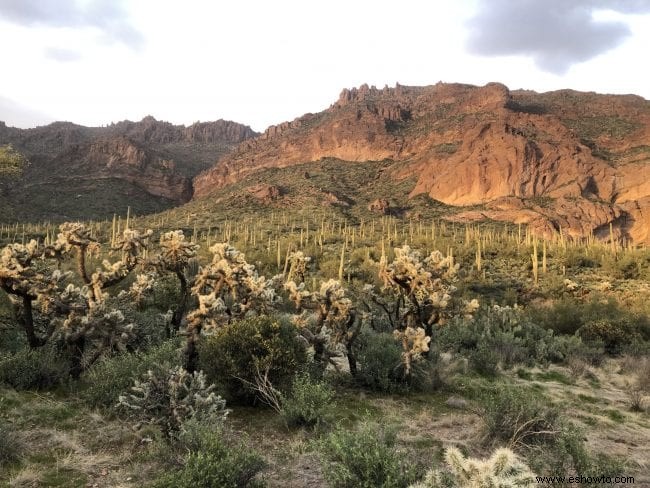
pixel 348 324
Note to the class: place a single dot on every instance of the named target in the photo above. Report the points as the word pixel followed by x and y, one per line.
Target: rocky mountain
pixel 91 172
pixel 567 160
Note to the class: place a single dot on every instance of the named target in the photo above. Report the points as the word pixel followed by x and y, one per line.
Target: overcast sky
pixel 261 62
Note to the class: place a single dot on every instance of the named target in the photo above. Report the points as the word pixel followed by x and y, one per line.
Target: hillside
pixel 561 160
pixel 79 172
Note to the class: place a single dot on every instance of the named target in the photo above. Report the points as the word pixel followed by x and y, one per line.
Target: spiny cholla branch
pixel 502 470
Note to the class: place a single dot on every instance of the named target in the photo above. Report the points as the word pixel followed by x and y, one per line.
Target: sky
pixel 261 62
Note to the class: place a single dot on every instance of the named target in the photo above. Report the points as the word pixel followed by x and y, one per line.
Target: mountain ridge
pixel 147 165
pixel 586 154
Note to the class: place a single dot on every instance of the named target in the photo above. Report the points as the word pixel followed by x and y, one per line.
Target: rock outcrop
pixel 585 156
pixel 123 159
pixel 264 193
pixel 380 206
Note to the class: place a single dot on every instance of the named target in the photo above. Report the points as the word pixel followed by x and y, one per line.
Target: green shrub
pixel 213 461
pixel 563 317
pixel 503 336
pixel 517 417
pixel 484 360
pixel 613 334
pixel 309 403
pixel 365 458
pixel 108 379
pixel 235 354
pixel 33 368
pixel 380 363
pixel 10 446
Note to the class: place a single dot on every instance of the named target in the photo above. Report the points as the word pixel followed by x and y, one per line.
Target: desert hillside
pixel 565 160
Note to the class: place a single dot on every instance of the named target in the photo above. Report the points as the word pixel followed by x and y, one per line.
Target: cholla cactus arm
pixel 297 294
pixel 74 236
pixel 414 342
pixel 131 244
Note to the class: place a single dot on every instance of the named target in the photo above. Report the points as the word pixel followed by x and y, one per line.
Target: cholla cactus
pixel 414 343
pixel 502 470
pixel 177 256
pixel 332 321
pixel 169 398
pixel 416 296
pixel 228 288
pixel 424 286
pixel 131 244
pixel 175 252
pixel 83 316
pixel 22 281
pixel 297 266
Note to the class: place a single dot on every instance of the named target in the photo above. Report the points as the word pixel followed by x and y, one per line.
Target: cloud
pixel 62 55
pixel 556 34
pixel 17 115
pixel 106 15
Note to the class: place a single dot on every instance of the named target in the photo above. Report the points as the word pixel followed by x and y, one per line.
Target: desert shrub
pixel 577 259
pixel 503 336
pixel 10 446
pixel 484 360
pixel 382 367
pixel 365 458
pixel 596 322
pixel 517 417
pixel 235 354
pixel 212 460
pixel 109 378
pixel 502 469
pixel 380 363
pixel 12 339
pixel 33 368
pixel 572 347
pixel 638 390
pixel 568 454
pixel 629 266
pixel 170 398
pixel 309 403
pixel 563 317
pixel 614 334
pixel 522 420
